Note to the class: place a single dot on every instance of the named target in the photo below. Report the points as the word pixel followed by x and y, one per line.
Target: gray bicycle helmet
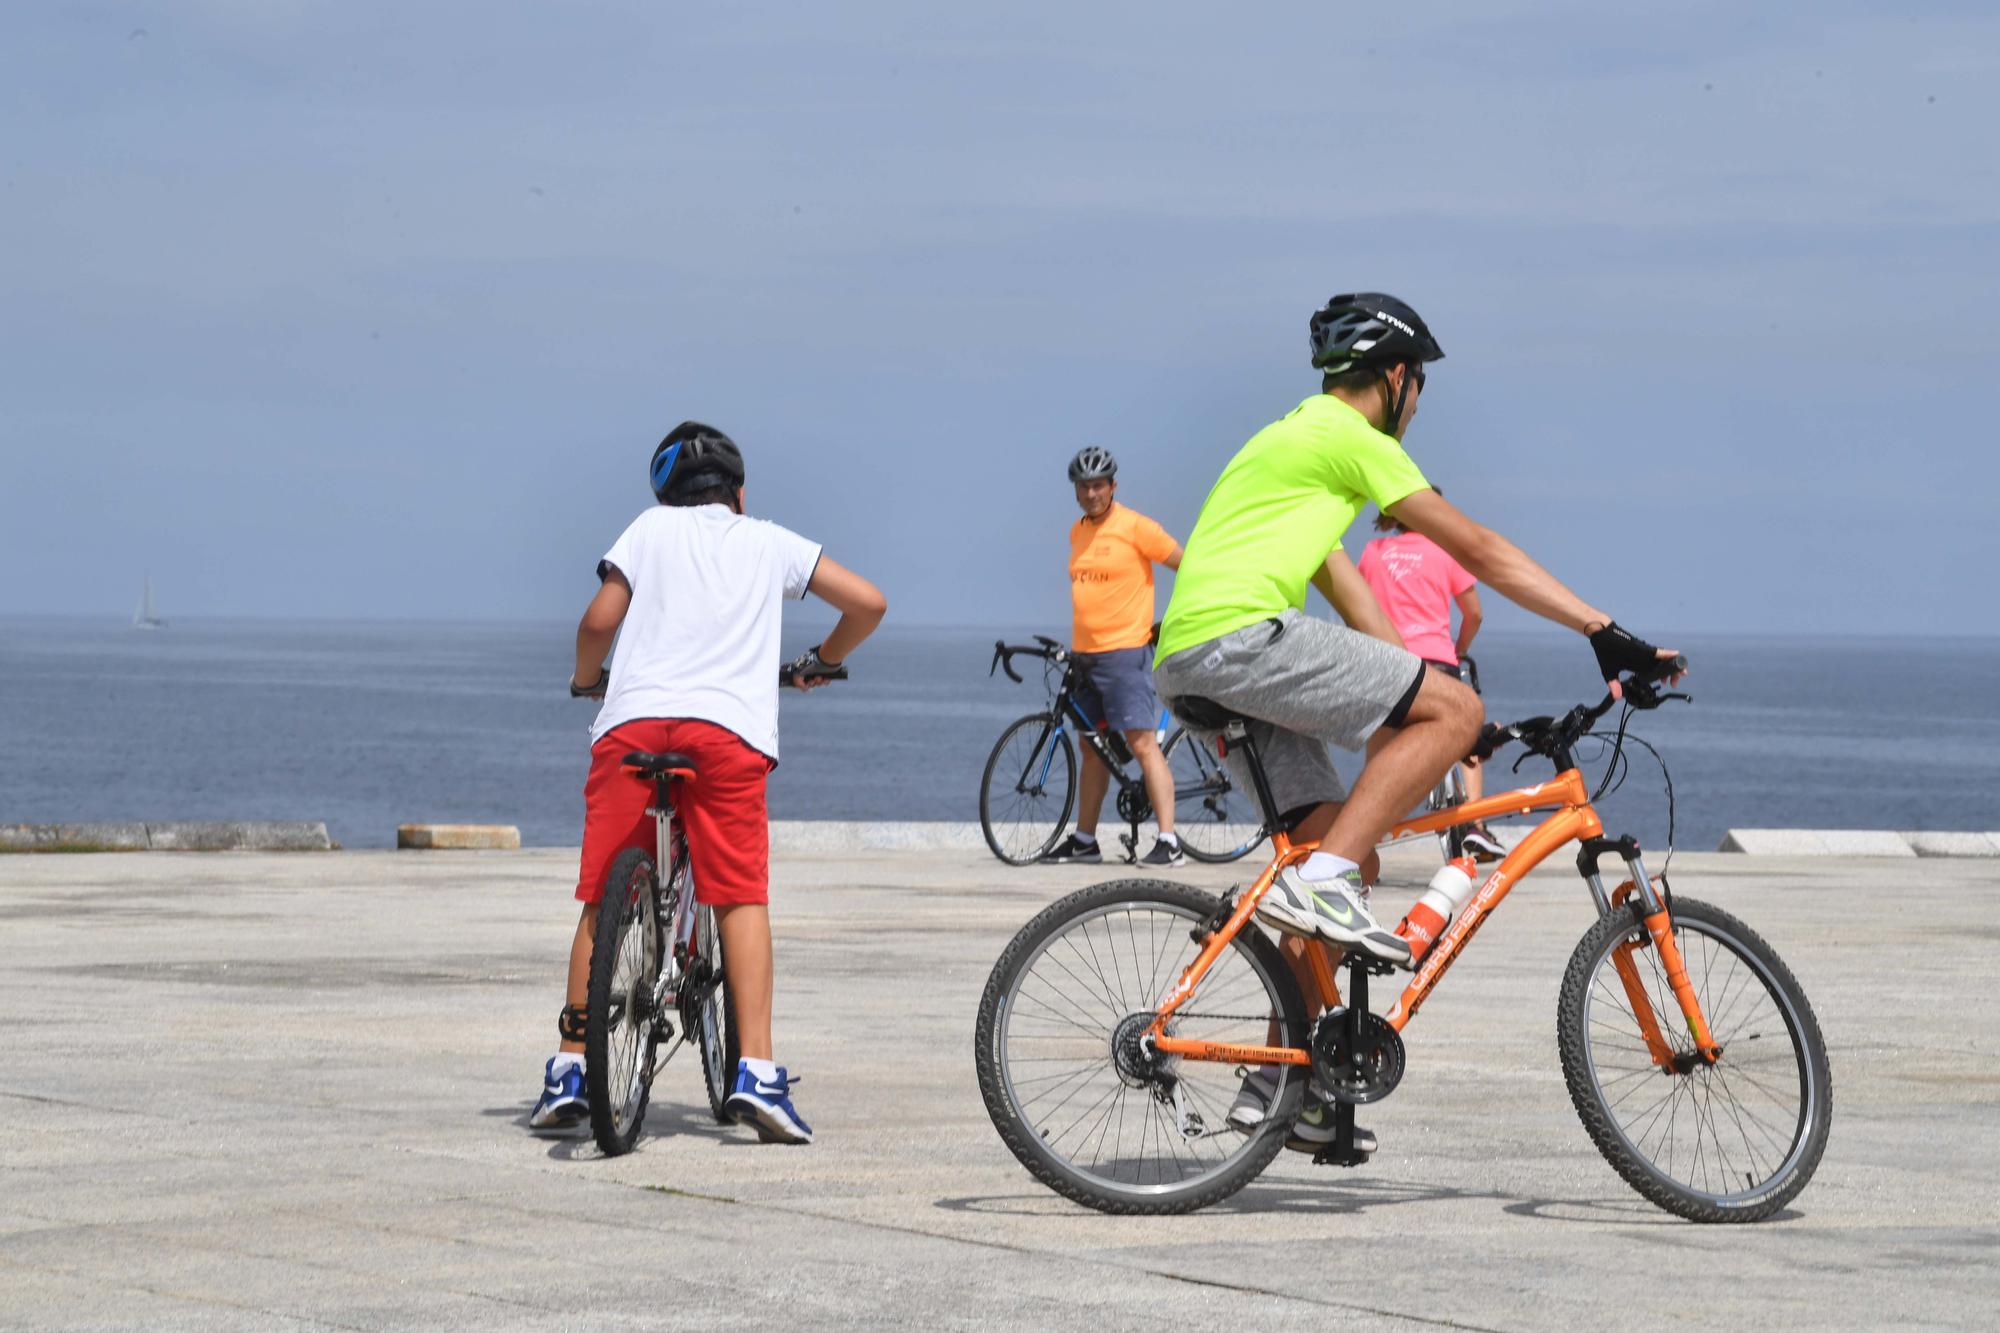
pixel 694 458
pixel 1091 463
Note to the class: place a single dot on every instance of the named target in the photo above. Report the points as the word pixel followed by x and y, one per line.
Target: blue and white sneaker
pixel 766 1106
pixel 563 1102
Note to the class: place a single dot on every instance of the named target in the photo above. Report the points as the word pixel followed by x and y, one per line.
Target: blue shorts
pixel 1116 689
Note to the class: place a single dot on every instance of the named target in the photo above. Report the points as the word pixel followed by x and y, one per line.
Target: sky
pixel 351 310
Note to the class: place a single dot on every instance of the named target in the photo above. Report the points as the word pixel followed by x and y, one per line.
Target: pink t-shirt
pixel 1416 583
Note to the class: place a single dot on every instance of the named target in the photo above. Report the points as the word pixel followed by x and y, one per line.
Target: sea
pixel 367 725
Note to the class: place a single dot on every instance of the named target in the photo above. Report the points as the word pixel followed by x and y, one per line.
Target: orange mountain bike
pixel 1117 1026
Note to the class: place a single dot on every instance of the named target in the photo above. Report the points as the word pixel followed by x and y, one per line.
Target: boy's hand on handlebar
pixel 594 690
pixel 809 671
pixel 1620 651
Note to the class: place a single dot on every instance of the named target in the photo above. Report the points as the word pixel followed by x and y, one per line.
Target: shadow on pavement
pixel 1260 1197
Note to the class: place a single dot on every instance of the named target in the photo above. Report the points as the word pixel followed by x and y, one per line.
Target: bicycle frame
pixel 669 854
pixel 1574 820
pixel 1068 712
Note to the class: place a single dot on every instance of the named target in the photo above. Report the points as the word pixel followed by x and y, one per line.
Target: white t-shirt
pixel 701 637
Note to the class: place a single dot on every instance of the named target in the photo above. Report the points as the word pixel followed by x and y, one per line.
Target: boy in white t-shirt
pixel 697 588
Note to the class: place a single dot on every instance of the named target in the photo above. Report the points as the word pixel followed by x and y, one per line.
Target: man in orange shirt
pixel 1112 551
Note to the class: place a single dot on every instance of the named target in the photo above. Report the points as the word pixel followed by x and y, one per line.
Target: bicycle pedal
pixel 1332 1156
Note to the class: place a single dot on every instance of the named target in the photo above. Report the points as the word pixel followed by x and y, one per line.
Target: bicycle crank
pixel 1366 1068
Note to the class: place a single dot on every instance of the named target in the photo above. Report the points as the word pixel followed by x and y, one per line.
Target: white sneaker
pixel 1331 909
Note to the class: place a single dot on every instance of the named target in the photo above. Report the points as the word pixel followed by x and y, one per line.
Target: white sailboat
pixel 146 617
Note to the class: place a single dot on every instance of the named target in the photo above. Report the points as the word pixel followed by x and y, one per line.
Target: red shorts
pixel 721 810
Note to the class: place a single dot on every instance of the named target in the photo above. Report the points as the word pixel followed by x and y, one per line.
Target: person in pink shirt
pixel 1417 584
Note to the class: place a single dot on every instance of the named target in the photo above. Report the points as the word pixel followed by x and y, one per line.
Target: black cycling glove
pixel 1619 651
pixel 809 665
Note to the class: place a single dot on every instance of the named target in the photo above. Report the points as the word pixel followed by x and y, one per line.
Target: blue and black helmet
pixel 694 458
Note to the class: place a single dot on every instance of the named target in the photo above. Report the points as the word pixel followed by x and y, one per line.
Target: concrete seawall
pixel 841 835
pixel 169 836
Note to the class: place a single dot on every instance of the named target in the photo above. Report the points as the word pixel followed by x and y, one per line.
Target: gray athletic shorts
pixel 1117 689
pixel 1309 683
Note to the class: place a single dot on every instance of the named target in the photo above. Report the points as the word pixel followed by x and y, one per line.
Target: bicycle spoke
pixel 1069 1000
pixel 1718 1129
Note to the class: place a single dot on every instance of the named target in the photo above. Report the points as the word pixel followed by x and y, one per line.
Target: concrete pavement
pixel 257 1091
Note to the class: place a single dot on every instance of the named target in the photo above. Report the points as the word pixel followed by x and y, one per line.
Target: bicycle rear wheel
pixel 621 1033
pixel 1073 1088
pixel 1215 821
pixel 1730 1142
pixel 715 1017
pixel 1028 789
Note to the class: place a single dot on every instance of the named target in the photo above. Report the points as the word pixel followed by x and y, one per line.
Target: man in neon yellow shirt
pixel 1236 632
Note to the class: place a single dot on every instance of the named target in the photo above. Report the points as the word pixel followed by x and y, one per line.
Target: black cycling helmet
pixel 694 458
pixel 1369 329
pixel 1372 331
pixel 1091 463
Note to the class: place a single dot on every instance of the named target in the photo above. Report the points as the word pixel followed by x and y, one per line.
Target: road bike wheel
pixel 1215 821
pixel 1729 1142
pixel 1069 1084
pixel 621 1033
pixel 1028 789
pixel 715 1020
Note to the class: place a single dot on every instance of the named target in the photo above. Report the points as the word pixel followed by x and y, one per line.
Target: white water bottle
pixel 1448 890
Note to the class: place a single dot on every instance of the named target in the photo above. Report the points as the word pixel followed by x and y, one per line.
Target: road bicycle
pixel 1028 790
pixel 1115 1027
pixel 656 972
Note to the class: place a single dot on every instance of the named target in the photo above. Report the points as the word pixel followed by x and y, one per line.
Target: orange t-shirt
pixel 1111 579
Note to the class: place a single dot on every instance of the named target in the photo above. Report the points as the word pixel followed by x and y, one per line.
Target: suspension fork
pixel 1657 918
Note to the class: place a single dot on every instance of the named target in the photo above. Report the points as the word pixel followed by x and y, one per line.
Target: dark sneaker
pixel 1312 1131
pixel 1072 851
pixel 1479 840
pixel 1336 910
pixel 1253 1099
pixel 1164 853
pixel 767 1107
pixel 563 1103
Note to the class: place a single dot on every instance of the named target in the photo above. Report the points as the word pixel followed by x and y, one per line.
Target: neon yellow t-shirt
pixel 1275 514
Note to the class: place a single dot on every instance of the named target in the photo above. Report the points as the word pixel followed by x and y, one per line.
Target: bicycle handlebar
pixel 1546 735
pixel 787 677
pixel 1004 653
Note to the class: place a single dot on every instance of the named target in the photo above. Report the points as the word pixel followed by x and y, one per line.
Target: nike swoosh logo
pixel 1339 911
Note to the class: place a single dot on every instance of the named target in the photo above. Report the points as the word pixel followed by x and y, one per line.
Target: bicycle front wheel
pixel 1215 820
pixel 622 1032
pixel 1730 1142
pixel 1074 1086
pixel 715 1017
pixel 1028 789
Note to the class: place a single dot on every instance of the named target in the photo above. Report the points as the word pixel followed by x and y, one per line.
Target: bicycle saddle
pixel 665 764
pixel 1204 714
